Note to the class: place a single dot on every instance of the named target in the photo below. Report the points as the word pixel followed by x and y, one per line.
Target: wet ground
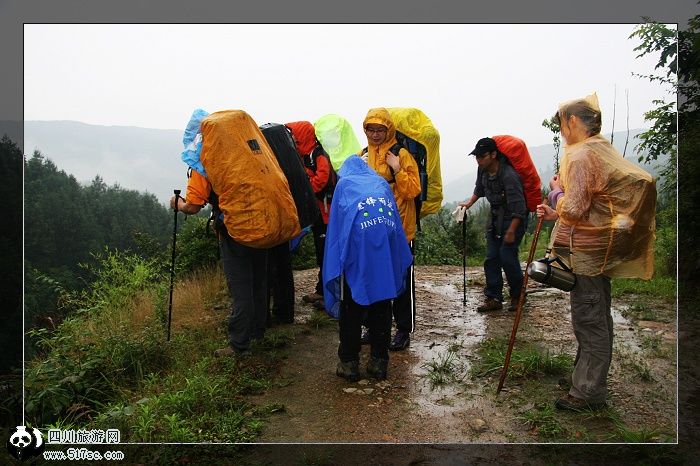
pixel 410 408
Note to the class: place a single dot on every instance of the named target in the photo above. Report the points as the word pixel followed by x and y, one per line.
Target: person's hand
pixel 554 183
pixel 509 237
pixel 546 212
pixel 465 204
pixel 393 161
pixel 173 200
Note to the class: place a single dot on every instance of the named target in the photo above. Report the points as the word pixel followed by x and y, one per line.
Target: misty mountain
pixel 543 158
pixel 148 160
pixel 142 159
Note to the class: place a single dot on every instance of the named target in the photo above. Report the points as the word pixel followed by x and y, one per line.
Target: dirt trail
pixel 406 408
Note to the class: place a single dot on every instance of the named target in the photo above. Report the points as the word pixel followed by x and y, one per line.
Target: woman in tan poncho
pixel 605 228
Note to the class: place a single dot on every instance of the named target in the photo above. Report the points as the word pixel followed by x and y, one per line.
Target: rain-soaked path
pixel 408 407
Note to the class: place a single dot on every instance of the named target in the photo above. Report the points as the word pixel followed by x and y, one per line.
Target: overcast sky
pixel 472 80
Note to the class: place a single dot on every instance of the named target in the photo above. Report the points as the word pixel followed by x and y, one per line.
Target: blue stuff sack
pixel 192 140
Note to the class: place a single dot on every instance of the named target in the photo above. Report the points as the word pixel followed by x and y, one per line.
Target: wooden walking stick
pixel 519 310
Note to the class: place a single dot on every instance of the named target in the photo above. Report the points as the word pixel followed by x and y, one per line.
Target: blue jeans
pixel 501 256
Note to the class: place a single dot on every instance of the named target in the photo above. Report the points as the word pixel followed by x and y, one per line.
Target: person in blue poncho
pixel 366 260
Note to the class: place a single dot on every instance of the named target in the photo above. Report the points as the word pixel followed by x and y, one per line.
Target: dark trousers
pixel 402 306
pixel 501 256
pixel 319 232
pixel 378 319
pixel 281 283
pixel 246 275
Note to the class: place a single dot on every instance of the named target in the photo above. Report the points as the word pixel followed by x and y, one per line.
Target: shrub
pixel 109 341
pixel 196 247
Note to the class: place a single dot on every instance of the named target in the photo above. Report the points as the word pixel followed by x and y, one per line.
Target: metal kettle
pixel 543 272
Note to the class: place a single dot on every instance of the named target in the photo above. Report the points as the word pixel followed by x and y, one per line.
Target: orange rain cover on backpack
pixel 516 151
pixel 253 192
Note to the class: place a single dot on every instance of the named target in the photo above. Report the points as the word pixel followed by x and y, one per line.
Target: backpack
pixel 310 162
pixel 337 137
pixel 253 193
pixel 417 150
pixel 280 140
pixel 517 154
pixel 416 133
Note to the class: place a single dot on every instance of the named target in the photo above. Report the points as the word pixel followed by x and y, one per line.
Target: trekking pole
pixel 521 302
pixel 464 258
pixel 172 264
pixel 412 286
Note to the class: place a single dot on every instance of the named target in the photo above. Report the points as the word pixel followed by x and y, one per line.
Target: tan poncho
pixel 607 214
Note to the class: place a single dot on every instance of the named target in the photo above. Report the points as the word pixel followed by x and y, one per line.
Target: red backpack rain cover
pixel 516 151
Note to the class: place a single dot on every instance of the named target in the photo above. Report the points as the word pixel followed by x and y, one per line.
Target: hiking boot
pixel 230 352
pixel 490 304
pixel 401 341
pixel 311 298
pixel 571 403
pixel 320 304
pixel 514 304
pixel 364 339
pixel 350 370
pixel 377 368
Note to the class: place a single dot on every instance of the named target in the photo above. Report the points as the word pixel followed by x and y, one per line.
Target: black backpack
pixel 280 140
pixel 310 162
pixel 420 155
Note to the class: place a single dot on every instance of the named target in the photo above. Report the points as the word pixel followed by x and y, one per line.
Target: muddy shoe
pixel 377 368
pixel 350 370
pixel 571 403
pixel 311 298
pixel 490 304
pixel 364 339
pixel 514 304
pixel 401 341
pixel 320 304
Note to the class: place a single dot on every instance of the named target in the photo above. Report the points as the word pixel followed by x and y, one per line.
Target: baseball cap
pixel 483 146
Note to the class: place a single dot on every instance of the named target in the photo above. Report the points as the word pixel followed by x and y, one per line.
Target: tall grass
pixel 109 366
pixel 526 359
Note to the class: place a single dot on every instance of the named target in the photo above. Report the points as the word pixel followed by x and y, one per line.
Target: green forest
pixel 97 266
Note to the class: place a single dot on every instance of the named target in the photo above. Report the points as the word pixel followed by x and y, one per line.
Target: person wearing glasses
pixel 497 180
pixel 401 171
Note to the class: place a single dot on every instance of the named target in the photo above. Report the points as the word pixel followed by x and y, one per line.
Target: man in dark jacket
pixel 498 181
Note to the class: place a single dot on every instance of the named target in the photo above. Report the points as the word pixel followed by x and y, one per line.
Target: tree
pixel 553 126
pixel 661 137
pixel 689 159
pixel 11 252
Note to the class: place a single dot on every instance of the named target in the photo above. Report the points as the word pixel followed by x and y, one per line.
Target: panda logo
pixel 24 444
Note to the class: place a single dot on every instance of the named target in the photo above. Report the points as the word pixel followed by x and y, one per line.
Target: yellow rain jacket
pixel 406 183
pixel 607 214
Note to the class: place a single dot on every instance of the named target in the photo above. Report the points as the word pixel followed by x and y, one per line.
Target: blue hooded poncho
pixel 365 241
